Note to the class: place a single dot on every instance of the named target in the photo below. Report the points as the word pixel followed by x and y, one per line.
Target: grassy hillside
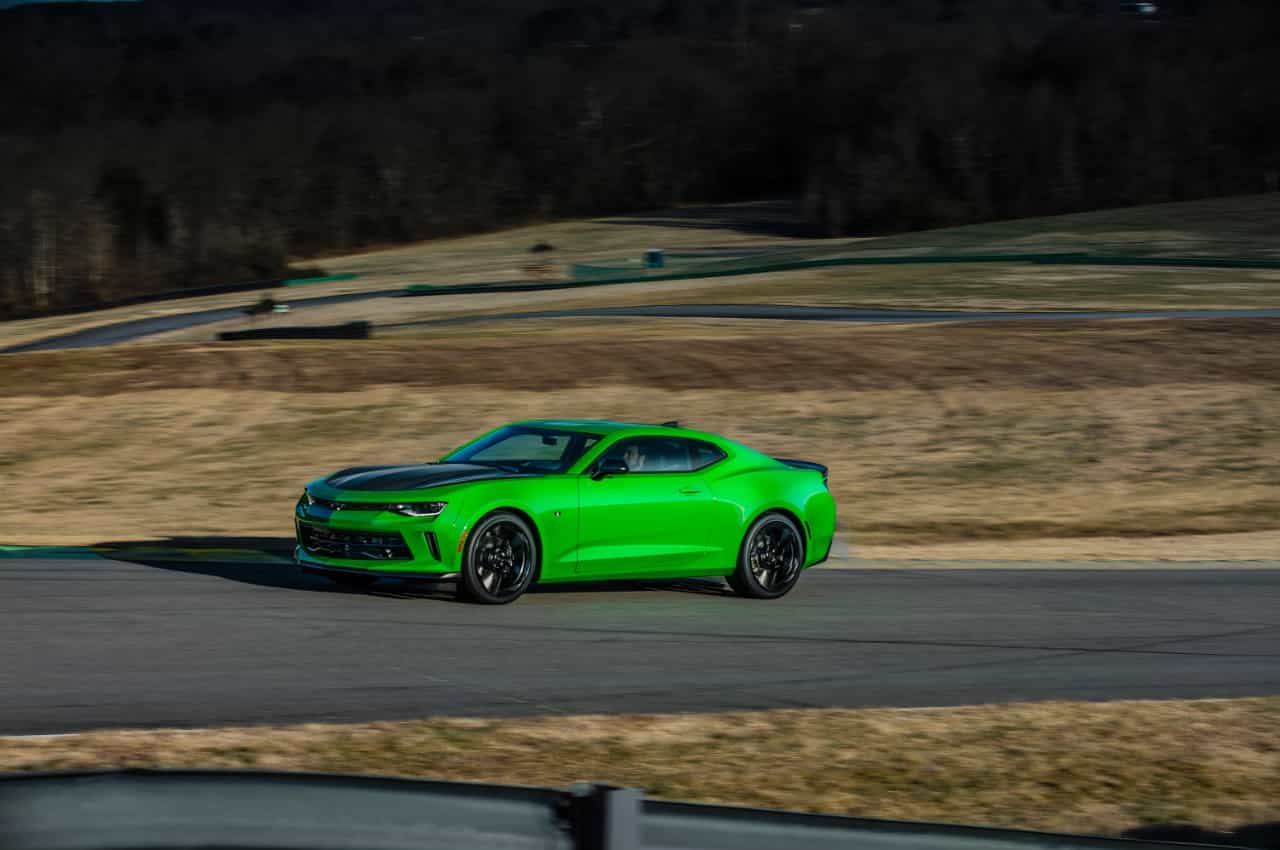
pixel 932 433
pixel 1245 226
pixel 1241 226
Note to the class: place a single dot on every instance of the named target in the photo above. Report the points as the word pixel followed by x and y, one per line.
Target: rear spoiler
pixel 805 464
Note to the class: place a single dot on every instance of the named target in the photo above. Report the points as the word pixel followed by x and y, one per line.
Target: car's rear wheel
pixel 771 558
pixel 500 561
pixel 355 581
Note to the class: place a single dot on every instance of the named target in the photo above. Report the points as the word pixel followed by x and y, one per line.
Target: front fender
pixel 549 504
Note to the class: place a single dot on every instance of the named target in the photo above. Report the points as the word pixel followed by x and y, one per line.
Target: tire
pixel 771 558
pixel 354 581
pixel 500 561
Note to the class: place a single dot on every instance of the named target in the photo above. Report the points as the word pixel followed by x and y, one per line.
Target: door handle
pixel 690 491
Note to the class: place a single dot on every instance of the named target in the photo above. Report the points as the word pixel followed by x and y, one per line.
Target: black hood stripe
pixel 419 476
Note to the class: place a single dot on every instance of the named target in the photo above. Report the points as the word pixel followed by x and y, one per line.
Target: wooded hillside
pixel 176 143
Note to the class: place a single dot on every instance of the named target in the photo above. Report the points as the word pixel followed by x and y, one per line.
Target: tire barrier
pixel 350 330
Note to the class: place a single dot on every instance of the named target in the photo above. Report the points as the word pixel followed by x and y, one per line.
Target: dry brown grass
pixel 933 434
pixel 1059 766
pixel 504 255
pixel 679 355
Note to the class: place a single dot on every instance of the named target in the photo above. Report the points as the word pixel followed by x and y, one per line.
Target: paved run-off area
pixel 93 642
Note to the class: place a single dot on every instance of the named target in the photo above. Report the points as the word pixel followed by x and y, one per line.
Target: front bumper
pixel 375 543
pixel 311 564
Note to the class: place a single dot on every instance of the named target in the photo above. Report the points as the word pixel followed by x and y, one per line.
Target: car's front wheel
pixel 500 561
pixel 771 558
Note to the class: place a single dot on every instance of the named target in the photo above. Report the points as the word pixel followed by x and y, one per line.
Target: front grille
pixel 353 545
pixel 350 506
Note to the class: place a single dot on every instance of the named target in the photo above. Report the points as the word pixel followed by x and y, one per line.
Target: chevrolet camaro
pixel 556 501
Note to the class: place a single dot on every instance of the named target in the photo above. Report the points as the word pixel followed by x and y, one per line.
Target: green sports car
pixel 555 501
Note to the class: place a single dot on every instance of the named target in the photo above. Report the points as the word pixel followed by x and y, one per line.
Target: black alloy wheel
pixel 771 558
pixel 500 562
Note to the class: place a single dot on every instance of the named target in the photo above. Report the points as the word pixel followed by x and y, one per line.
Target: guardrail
pixel 184 810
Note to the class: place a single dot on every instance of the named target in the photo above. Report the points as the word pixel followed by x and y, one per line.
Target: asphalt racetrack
pixel 93 642
pixel 136 329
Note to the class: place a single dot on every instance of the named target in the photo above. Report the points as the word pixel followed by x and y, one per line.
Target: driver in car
pixel 634 457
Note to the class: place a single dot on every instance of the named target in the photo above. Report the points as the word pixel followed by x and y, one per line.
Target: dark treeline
pixel 177 143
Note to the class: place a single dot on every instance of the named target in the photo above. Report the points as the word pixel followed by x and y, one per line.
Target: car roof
pixel 605 426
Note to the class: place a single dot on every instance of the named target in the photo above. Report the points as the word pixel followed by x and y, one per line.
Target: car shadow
pixel 268 562
pixel 262 561
pixel 704 586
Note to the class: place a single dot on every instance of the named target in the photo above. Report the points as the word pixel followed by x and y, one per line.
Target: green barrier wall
pixel 329 278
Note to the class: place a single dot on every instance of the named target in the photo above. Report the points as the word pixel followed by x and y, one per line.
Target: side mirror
pixel 610 466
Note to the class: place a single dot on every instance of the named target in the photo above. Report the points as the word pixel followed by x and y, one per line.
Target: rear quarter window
pixel 703 455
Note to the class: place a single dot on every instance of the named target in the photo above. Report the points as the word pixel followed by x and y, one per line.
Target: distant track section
pixel 135 329
pixel 841 314
pixel 140 328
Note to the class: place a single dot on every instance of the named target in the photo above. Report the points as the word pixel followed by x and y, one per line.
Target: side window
pixel 664 454
pixel 703 455
pixel 651 454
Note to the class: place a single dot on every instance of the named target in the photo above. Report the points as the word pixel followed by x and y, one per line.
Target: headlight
pixel 420 509
pixel 308 498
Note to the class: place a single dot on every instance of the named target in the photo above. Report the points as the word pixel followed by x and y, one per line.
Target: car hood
pixel 417 476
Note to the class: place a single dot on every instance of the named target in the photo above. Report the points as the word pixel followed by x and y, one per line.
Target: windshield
pixel 527 449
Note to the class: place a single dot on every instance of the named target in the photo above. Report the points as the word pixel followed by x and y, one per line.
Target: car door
pixel 653 519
